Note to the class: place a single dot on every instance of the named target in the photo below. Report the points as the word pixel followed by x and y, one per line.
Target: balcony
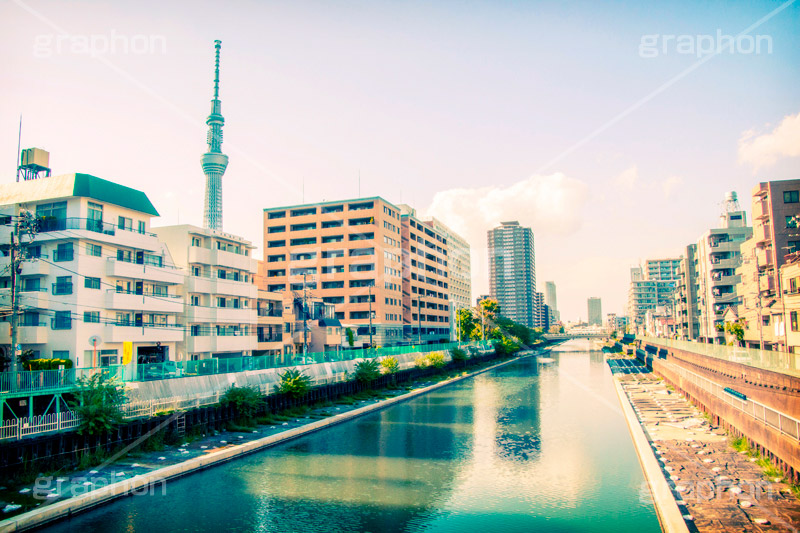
pixel 224 287
pixel 26 333
pixel 761 210
pixel 96 230
pixel 152 303
pixel 723 280
pixel 149 334
pixel 225 343
pixel 764 258
pixel 30 267
pixel 205 256
pixel 123 269
pixel 195 313
pixel 762 233
pixel 233 315
pixel 27 299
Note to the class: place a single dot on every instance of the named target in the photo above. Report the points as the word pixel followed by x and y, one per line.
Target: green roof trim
pixel 99 189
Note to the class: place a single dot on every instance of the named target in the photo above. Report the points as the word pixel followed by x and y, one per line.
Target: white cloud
pixel 627 180
pixel 763 150
pixel 670 184
pixel 551 205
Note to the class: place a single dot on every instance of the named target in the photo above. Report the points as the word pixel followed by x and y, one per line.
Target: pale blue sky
pixel 420 98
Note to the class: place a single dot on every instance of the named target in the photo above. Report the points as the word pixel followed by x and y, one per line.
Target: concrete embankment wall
pixel 194 386
pixel 774 390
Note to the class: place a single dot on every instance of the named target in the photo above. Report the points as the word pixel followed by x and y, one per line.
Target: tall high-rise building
pixel 595 309
pixel 214 161
pixel 717 258
pixel 512 271
pixel 550 299
pixel 776 210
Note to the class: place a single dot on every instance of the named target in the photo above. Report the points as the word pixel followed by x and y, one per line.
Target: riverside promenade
pixel 716 488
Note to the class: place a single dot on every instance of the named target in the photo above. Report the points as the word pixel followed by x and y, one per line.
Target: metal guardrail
pixel 782 362
pixel 786 424
pixel 43 381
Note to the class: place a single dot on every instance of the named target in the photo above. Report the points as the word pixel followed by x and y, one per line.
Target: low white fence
pixel 784 423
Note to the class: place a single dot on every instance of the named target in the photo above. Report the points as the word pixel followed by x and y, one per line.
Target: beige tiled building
pixel 426 291
pixel 348 253
pixel 776 204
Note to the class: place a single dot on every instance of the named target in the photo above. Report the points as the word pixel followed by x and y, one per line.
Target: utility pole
pixel 758 303
pixel 305 318
pixel 419 318
pixel 370 316
pixel 24 222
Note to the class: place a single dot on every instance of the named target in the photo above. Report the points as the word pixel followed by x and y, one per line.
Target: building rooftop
pixel 76 185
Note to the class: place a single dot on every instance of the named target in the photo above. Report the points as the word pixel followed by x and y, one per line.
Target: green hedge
pixel 48 364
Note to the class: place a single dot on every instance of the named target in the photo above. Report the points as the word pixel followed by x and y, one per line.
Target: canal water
pixel 528 447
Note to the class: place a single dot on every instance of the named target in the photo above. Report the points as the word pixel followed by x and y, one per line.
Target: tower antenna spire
pixel 214 161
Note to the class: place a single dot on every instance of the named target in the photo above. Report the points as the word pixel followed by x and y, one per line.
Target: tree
pixel 367 371
pixel 246 401
pixel 98 401
pixel 294 383
pixel 736 329
pixel 351 339
pixel 467 326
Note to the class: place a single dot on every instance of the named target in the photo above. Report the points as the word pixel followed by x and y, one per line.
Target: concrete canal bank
pixel 64 497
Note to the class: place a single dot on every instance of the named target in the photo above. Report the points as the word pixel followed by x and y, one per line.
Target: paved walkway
pixel 716 488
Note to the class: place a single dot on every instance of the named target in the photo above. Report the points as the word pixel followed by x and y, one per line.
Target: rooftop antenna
pixel 19 146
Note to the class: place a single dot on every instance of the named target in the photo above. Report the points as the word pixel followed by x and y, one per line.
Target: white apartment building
pixel 459 270
pixel 220 295
pixel 96 276
pixel 718 256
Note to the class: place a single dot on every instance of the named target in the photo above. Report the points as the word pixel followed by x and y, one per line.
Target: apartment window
pixel 332 209
pixel 31 285
pixel 94 220
pixel 332 253
pixel 303 256
pixel 61 320
pixel 195 300
pixel 60 354
pixel 336 269
pixel 359 315
pixel 791 221
pixel 196 241
pixel 791 197
pixel 362 205
pixel 141 226
pixel 276 229
pixel 362 236
pixel 54 211
pixel 94 250
pixel 63 252
pixel 276 287
pixel 355 252
pixel 333 284
pixel 303 271
pixel 304 227
pixel 362 283
pixel 332 224
pixel 299 286
pixel 91 316
pixel 276 258
pixel 362 221
pixel 333 299
pixel 362 268
pixel 306 241
pixel 276 273
pixel 793 319
pixel 91 283
pixel 303 212
pixel 276 244
pixel 30 318
pixel 221 302
pixel 362 299
pixel 276 214
pixel 125 223
pixel 332 238
pixel 63 285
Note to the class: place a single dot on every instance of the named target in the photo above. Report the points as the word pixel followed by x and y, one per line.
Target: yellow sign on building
pixel 127 352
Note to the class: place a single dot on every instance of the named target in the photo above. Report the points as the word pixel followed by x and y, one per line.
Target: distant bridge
pixel 568 336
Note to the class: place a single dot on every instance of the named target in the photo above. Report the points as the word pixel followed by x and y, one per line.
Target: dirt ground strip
pixel 716 487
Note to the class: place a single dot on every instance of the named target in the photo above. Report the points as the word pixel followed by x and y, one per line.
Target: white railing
pixel 784 423
pixel 25 427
